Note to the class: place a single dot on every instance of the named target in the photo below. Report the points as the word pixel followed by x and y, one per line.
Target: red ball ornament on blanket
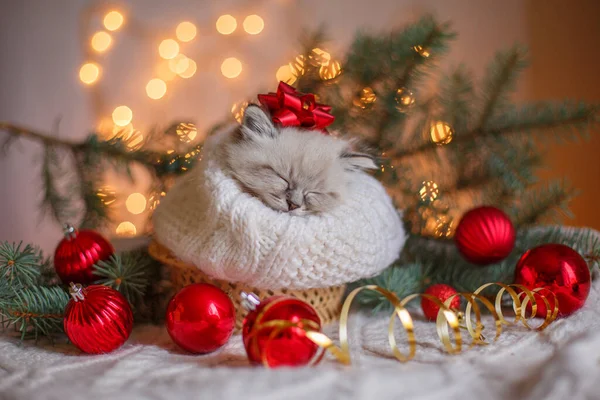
pixel 98 319
pixel 200 318
pixel 77 252
pixel 442 292
pixel 485 235
pixel 559 269
pixel 274 331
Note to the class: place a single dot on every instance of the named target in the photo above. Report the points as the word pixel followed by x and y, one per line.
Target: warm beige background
pixel 40 53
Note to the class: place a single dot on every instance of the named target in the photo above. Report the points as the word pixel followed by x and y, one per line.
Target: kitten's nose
pixel 291 205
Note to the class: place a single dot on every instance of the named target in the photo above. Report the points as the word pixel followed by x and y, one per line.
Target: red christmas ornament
pixel 98 319
pixel 200 318
pixel 559 269
pixel 287 347
pixel 485 235
pixel 442 292
pixel 77 252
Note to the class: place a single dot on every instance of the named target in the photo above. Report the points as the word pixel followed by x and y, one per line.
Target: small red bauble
pixel 290 347
pixel 77 252
pixel 442 292
pixel 200 318
pixel 98 319
pixel 559 269
pixel 485 235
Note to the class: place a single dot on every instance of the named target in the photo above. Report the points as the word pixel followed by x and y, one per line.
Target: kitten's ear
pixel 357 161
pixel 257 123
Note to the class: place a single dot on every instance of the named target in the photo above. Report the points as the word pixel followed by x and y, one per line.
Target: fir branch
pixel 535 205
pixel 126 273
pixel 500 81
pixel 36 311
pixel 456 98
pixel 400 279
pixel 560 119
pixel 19 266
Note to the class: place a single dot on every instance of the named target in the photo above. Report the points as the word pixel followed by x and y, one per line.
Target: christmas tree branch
pixel 585 115
pixel 500 79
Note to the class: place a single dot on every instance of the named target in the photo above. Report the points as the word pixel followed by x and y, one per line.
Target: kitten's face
pixel 291 170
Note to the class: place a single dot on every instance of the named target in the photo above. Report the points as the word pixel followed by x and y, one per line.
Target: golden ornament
pixel 441 133
pixel 365 98
pixel 107 195
pixel 423 52
pixel 330 71
pixel 405 99
pixel 186 132
pixel 429 191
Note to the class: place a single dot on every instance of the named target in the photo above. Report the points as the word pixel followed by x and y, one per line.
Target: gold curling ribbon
pixel 446 318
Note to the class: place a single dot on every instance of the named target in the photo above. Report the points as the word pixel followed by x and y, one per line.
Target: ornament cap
pixel 249 301
pixel 69 231
pixel 76 291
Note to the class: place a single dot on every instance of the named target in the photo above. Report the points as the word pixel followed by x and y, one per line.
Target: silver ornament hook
pixel 76 291
pixel 70 231
pixel 249 301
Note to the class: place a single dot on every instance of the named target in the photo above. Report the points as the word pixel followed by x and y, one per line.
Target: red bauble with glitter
pixel 77 252
pixel 98 319
pixel 442 292
pixel 559 269
pixel 288 347
pixel 485 235
pixel 200 318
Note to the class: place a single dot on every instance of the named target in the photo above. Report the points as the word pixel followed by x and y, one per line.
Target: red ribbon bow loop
pixel 289 107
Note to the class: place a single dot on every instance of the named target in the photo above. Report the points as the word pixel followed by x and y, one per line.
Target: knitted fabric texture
pixel 207 220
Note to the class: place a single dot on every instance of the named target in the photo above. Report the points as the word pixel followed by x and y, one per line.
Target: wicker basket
pixel 326 301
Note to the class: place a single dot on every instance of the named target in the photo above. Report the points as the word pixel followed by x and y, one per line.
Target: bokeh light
pixel 126 228
pixel 226 24
pixel 285 74
pixel 101 41
pixel 122 115
pixel 186 31
pixel 163 71
pixel 253 24
pixel 179 64
pixel 136 203
pixel 231 67
pixel 113 20
pixel 89 73
pixel 190 70
pixel 156 88
pixel 168 49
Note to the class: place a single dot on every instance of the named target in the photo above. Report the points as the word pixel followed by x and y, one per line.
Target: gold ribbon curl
pixel 447 322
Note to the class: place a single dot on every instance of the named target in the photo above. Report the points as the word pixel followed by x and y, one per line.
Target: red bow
pixel 291 108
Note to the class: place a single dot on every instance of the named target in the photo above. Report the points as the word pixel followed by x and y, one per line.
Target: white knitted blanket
pixel 207 220
pixel 562 362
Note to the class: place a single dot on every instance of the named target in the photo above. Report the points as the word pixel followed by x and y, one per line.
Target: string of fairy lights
pixel 173 63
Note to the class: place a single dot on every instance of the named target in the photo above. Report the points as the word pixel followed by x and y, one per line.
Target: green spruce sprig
pixel 19 266
pixel 127 273
pixel 36 311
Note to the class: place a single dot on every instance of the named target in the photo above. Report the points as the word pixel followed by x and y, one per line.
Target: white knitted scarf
pixel 207 220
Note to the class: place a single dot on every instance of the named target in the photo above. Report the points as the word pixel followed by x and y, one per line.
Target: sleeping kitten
pixel 290 169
